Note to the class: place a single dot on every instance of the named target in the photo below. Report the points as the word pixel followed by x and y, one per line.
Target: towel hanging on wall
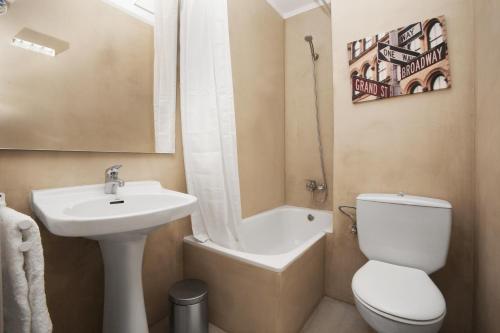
pixel 23 287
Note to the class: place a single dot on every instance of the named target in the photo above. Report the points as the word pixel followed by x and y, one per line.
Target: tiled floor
pixel 335 316
pixel 330 316
pixel 214 329
pixel 162 327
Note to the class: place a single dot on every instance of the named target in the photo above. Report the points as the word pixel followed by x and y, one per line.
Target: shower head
pixel 4 6
pixel 309 39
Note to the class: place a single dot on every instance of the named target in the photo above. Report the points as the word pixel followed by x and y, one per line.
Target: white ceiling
pixel 140 9
pixel 144 9
pixel 289 8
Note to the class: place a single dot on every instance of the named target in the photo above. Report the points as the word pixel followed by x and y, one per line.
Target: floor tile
pixel 162 327
pixel 329 316
pixel 335 316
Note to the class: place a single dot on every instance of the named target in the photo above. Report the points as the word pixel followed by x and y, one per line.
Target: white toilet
pixel 405 238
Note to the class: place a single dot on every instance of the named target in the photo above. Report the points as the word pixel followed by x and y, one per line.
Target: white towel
pixel 24 300
pixel 17 313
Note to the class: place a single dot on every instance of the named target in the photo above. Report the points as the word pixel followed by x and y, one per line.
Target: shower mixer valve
pixel 313 186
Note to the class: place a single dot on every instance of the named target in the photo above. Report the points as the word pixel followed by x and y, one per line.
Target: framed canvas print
pixel 409 60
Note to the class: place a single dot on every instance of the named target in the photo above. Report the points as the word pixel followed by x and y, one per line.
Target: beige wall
pixel 421 145
pixel 487 167
pixel 302 154
pixel 257 45
pixel 74 272
pixel 95 96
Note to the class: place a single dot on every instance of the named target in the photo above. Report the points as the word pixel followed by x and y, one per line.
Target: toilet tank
pixel 404 230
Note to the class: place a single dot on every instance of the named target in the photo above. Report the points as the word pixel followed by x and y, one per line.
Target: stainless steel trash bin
pixel 189 311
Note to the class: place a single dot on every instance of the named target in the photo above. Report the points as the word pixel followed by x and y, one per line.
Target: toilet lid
pixel 399 291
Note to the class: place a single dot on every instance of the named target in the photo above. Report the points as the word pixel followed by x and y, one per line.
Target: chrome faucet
pixel 112 182
pixel 313 186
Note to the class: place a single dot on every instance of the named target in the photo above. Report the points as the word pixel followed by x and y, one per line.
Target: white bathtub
pixel 276 238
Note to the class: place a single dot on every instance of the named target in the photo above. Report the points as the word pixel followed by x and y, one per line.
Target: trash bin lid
pixel 188 292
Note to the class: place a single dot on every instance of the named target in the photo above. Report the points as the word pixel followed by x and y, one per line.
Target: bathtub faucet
pixel 313 186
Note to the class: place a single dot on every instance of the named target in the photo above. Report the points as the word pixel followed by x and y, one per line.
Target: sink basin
pixel 85 211
pixel 121 223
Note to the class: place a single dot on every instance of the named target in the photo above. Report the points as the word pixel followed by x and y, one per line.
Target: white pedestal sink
pixel 121 223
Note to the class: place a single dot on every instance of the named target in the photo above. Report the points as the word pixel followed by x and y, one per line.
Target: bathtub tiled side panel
pixel 242 298
pixel 302 287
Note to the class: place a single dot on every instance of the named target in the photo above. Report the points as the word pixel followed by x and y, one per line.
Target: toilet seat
pixel 399 293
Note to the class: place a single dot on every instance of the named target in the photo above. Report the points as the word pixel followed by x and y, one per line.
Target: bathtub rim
pixel 273 262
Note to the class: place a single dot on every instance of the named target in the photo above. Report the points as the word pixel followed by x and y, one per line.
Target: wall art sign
pixel 409 60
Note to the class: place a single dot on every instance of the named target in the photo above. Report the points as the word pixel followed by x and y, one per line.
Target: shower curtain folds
pixel 208 121
pixel 165 74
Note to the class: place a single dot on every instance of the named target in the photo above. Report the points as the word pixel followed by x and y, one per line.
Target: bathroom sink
pixel 86 211
pixel 121 223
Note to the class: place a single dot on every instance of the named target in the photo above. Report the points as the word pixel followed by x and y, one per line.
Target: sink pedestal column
pixel 124 310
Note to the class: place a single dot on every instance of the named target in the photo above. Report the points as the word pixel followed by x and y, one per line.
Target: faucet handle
pixel 311 185
pixel 113 169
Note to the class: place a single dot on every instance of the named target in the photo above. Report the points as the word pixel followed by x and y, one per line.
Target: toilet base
pixel 386 325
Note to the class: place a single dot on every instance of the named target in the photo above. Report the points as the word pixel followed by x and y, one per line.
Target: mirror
pixel 76 76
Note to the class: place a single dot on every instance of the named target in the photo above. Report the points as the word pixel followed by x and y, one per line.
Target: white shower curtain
pixel 208 121
pixel 165 74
